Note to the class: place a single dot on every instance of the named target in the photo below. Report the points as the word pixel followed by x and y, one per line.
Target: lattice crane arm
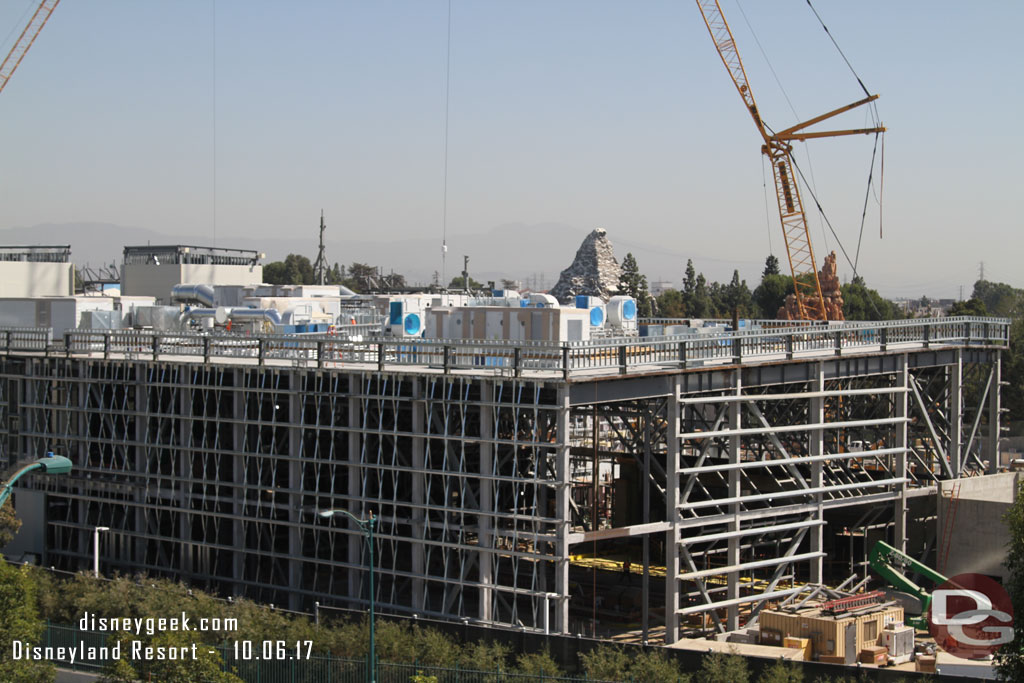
pixel 25 40
pixel 726 45
pixel 802 264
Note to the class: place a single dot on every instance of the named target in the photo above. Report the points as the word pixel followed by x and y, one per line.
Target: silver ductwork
pixel 189 294
pixel 254 314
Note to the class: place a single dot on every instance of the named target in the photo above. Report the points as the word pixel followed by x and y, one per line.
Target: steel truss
pixel 486 486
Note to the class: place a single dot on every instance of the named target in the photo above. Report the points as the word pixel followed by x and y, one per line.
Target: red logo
pixel 971 616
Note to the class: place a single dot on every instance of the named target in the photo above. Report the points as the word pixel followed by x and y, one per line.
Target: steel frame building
pixel 736 462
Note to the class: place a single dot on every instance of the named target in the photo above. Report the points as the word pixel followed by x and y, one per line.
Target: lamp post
pixel 367 527
pixel 51 464
pixel 96 549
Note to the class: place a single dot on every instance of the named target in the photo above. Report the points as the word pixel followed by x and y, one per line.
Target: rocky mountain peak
pixel 594 272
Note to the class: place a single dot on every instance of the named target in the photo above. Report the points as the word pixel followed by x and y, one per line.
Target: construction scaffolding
pixel 739 467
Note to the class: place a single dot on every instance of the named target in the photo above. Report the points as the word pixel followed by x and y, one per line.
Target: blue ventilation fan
pixel 596 316
pixel 413 325
pixel 629 310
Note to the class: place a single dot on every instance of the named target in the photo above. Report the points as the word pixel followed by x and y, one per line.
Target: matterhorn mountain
pixel 594 272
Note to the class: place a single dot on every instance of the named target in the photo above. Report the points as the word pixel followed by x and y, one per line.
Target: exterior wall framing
pixel 486 484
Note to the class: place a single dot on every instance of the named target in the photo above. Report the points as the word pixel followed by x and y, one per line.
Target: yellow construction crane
pixel 777 147
pixel 25 40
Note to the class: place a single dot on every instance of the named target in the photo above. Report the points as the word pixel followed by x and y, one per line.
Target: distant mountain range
pixel 514 251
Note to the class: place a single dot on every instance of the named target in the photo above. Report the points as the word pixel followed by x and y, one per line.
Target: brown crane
pixel 778 148
pixel 25 40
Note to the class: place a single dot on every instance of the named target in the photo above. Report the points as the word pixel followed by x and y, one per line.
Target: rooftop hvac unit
pixel 622 313
pixel 404 323
pixel 596 306
pixel 538 300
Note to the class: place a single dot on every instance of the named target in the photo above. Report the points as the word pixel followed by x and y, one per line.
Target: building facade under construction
pixel 511 482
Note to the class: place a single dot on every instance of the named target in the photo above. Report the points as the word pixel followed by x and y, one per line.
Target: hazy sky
pixel 242 117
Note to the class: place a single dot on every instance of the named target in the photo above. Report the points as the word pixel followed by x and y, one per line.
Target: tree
pixel 771 266
pixel 863 303
pixel 771 294
pixel 781 672
pixel 459 282
pixel 294 270
pixel 20 623
pixel 203 667
pixel 670 304
pixel 1010 657
pixel 738 297
pixel 9 524
pixel 654 666
pixel 606 663
pixel 633 283
pixel 539 664
pixel 999 298
pixel 719 667
pixel 701 304
pixel 971 307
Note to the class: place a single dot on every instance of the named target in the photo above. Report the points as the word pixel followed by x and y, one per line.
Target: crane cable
pixel 444 200
pixel 867 196
pixel 785 95
pixel 821 211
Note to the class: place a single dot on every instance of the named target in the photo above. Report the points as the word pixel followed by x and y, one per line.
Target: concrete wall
pixel 25 279
pixel 148 279
pixel 59 313
pixel 979 537
pixel 30 507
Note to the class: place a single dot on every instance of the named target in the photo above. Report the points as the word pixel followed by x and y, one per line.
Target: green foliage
pixel 119 672
pixel 770 295
pixel 633 283
pixel 198 665
pixel 606 663
pixel 1010 657
pixel 972 306
pixel 459 282
pixel 1000 299
pixel 294 270
pixel 670 304
pixel 696 298
pixel 484 655
pixel 654 666
pixel 719 667
pixel 19 621
pixel 781 672
pixel 862 303
pixel 771 267
pixel 539 664
pixel 420 677
pixel 736 297
pixel 9 524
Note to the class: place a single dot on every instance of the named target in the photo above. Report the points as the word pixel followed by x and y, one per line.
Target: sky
pixel 233 118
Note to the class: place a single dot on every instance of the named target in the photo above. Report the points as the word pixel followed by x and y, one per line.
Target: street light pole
pixel 366 525
pixel 51 464
pixel 96 549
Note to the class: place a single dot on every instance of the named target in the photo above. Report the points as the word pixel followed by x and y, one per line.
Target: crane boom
pixel 802 264
pixel 25 40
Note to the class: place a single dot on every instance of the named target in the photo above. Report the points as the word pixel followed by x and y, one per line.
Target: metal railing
pixel 599 356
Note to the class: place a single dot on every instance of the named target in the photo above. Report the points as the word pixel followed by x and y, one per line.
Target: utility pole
pixel 465 272
pixel 321 258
